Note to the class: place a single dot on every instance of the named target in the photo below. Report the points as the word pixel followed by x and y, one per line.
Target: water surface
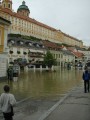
pixel 43 84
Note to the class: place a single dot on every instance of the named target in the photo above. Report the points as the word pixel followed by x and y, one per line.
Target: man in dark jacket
pixel 86 78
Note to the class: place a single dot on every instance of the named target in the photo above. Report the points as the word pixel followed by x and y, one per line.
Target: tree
pixel 49 59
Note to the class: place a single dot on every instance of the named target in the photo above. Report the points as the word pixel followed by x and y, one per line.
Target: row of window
pixel 7 6
pixel 18 24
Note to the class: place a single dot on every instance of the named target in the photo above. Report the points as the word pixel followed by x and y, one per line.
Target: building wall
pixel 71 40
pixel 86 55
pixel 15 55
pixel 1 38
pixel 26 27
pixel 3 48
pixel 58 56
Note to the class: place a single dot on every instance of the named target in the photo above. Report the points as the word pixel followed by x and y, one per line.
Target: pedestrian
pixel 7 101
pixel 10 73
pixel 86 78
pixel 15 72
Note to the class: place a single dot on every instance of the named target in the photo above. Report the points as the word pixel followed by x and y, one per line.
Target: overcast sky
pixel 70 16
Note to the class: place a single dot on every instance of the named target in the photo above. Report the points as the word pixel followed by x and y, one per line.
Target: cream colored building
pixel 22 23
pixel 67 39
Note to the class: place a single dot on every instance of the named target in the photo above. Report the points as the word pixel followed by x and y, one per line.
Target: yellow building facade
pixel 4 24
pixel 22 24
pixel 1 38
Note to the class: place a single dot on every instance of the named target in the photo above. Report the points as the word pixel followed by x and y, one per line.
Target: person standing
pixel 86 78
pixel 15 71
pixel 10 73
pixel 7 101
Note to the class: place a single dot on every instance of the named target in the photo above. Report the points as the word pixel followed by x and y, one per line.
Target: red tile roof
pixel 78 54
pixel 52 45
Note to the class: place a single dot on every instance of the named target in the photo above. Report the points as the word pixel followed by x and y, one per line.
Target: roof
pixel 67 52
pixel 8 1
pixel 23 7
pixel 78 54
pixel 75 52
pixel 52 45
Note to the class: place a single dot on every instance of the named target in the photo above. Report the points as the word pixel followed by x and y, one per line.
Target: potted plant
pixel 18 52
pixel 11 52
pixel 24 53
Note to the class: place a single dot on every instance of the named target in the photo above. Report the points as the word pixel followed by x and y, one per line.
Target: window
pixel 4 5
pixel 9 5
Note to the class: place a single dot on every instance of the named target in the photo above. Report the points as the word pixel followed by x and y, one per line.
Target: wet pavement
pixel 75 105
pixel 32 109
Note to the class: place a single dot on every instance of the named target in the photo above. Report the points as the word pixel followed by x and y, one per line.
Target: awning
pixel 32 50
pixel 36 51
pixel 40 51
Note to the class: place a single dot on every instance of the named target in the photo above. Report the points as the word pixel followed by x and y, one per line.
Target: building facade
pixel 22 23
pixel 4 24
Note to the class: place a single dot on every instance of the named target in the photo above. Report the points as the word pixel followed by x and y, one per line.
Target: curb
pixel 53 107
pixel 46 114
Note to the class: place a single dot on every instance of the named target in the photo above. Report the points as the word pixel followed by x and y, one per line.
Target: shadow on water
pixel 43 84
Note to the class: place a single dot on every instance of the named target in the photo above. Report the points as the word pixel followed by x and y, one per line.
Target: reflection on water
pixel 38 84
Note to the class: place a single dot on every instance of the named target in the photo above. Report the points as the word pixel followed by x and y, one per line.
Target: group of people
pixel 86 78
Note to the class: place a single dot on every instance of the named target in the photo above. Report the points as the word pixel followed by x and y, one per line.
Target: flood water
pixel 43 84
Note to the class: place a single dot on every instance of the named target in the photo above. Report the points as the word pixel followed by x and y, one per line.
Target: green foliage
pixel 24 53
pixel 11 52
pixel 14 35
pixel 24 37
pixel 18 52
pixel 49 59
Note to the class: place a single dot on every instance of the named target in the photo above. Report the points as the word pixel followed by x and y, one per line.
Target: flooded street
pixel 43 84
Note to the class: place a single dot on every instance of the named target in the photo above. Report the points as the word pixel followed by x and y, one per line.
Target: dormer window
pixel 43 46
pixel 21 43
pixel 12 42
pixel 37 45
pixel 30 44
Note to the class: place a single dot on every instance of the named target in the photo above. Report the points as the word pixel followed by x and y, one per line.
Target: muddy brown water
pixel 43 84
